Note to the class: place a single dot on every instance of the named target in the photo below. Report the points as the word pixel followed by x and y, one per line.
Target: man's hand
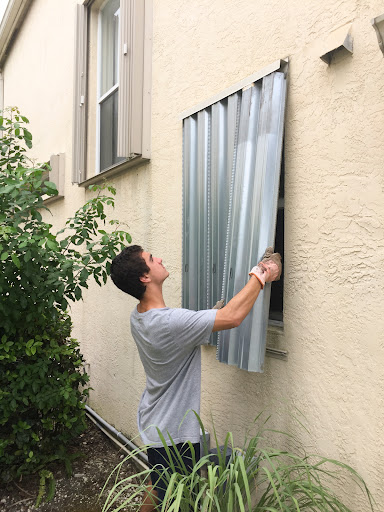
pixel 231 315
pixel 219 304
pixel 269 269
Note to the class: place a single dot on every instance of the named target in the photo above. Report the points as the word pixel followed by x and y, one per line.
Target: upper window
pixel 112 86
pixel 108 89
pixel 231 172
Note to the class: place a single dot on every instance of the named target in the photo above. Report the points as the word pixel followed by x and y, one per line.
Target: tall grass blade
pixel 256 478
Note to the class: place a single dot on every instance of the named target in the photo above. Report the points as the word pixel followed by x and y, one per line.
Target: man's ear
pixel 145 278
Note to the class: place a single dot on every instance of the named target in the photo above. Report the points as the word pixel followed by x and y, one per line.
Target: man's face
pixel 157 272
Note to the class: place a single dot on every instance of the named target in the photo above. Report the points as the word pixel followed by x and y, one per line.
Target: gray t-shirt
pixel 169 342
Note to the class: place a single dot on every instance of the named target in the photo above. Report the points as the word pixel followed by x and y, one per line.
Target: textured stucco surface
pixel 334 234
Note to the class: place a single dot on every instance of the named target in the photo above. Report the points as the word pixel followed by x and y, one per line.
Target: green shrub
pixel 258 477
pixel 41 405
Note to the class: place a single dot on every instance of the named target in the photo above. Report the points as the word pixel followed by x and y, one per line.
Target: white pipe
pixel 109 429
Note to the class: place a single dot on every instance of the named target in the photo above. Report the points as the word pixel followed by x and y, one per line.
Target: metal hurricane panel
pixel 231 171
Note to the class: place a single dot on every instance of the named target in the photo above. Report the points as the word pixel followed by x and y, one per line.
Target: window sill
pixel 53 199
pixel 276 326
pixel 135 161
pixel 275 338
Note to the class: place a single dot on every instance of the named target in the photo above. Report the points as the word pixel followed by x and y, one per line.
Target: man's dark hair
pixel 126 270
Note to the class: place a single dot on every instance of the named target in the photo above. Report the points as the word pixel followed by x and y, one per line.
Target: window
pixel 277 296
pixel 108 89
pixel 231 175
pixel 112 87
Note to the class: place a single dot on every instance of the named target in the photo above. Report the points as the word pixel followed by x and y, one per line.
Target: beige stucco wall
pixel 334 235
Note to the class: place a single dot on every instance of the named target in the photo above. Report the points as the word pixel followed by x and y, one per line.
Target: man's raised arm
pixel 268 270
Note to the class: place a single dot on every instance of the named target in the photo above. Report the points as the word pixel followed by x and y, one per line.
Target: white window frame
pixel 99 80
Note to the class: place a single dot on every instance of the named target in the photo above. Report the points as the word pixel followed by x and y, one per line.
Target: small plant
pixel 44 476
pixel 42 383
pixel 256 478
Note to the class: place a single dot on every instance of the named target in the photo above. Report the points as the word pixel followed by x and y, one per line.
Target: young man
pixel 168 341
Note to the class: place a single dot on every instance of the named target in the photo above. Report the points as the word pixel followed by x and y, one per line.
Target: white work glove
pixel 219 304
pixel 269 269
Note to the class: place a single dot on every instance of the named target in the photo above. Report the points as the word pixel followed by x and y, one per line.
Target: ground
pixel 78 493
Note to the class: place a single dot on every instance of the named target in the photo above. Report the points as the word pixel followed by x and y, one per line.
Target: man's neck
pixel 153 299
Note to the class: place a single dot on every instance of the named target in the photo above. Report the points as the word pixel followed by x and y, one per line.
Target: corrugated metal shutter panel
pixel 232 158
pixel 80 90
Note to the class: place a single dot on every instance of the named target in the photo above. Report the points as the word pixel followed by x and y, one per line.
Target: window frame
pixel 107 94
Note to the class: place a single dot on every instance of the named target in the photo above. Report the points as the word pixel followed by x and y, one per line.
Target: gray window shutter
pixel 131 76
pixel 1 91
pixel 1 98
pixel 80 91
pixel 231 163
pixel 57 174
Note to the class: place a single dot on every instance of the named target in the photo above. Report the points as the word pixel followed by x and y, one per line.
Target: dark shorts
pixel 158 457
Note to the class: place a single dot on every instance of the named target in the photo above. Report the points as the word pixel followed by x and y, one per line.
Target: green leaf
pixel 84 274
pixel 16 260
pixel 36 215
pixel 52 245
pixel 78 293
pixel 4 256
pixel 7 189
pixel 27 134
pixel 50 185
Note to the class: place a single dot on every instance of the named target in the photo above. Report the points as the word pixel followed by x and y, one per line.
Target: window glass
pixel 277 288
pixel 109 69
pixel 108 132
pixel 109 83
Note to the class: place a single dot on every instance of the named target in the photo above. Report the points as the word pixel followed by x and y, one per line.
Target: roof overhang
pixel 10 25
